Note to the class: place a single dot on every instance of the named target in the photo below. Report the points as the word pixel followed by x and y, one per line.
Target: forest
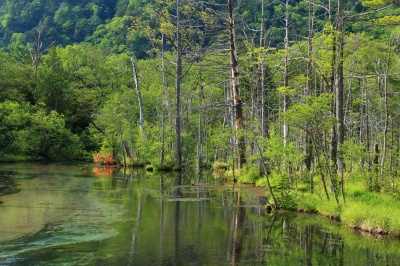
pixel 298 96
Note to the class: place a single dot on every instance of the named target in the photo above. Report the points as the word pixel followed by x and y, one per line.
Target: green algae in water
pixel 87 226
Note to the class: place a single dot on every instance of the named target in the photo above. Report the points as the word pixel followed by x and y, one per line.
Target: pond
pixel 86 215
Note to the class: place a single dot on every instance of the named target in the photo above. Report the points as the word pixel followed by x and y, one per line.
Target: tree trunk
pixel 162 102
pixel 333 142
pixel 286 100
pixel 385 95
pixel 309 145
pixel 35 60
pixel 122 148
pixel 238 108
pixel 339 87
pixel 139 95
pixel 385 129
pixel 339 91
pixel 264 116
pixel 199 139
pixel 178 79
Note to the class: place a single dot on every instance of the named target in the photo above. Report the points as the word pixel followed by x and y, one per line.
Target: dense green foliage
pixel 69 89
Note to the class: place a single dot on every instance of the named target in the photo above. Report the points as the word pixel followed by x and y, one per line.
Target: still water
pixel 83 215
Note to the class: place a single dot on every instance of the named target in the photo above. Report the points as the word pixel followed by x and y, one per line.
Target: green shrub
pixel 249 174
pixel 261 182
pixel 217 166
pixel 231 175
pixel 166 166
pixel 219 169
pixel 287 202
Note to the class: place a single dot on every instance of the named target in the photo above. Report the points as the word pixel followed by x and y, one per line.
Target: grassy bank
pixel 370 211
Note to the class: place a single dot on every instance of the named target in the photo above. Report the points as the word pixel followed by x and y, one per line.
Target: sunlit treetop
pixel 380 3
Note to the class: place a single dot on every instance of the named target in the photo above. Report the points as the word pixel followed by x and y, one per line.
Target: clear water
pixel 80 215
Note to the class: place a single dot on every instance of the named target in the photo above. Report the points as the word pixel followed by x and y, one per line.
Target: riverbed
pixel 83 214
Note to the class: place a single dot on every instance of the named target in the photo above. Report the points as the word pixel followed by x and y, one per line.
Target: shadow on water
pixel 70 216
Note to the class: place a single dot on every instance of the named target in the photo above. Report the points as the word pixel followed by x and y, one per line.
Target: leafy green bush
pixel 166 166
pixel 219 169
pixel 47 138
pixel 14 117
pixel 220 166
pixel 231 175
pixel 249 174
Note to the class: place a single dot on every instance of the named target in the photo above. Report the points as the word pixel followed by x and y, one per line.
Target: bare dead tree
pixel 238 105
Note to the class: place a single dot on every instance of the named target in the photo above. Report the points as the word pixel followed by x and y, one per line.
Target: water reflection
pixel 70 216
pixel 177 218
pixel 237 225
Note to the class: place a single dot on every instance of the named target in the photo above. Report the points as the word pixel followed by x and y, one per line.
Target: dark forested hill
pixel 63 21
pixel 104 22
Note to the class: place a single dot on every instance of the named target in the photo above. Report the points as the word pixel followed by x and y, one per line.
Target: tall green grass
pixel 372 211
pixel 369 211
